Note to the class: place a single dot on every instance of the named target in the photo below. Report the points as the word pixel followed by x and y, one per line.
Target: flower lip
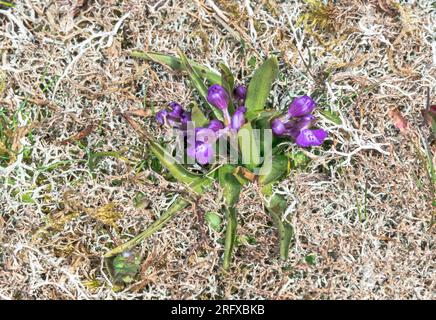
pixel 301 106
pixel 309 138
pixel 202 152
pixel 218 96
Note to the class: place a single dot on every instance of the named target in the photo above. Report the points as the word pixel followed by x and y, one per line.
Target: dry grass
pixel 361 209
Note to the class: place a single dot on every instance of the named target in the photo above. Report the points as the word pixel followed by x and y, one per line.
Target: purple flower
pixel 238 119
pixel 185 117
pixel 278 127
pixel 301 106
pixel 201 146
pixel 161 116
pixel 218 97
pixel 296 124
pixel 309 138
pixel 240 92
pixel 174 116
pixel 206 135
pixel 176 110
pixel 202 152
pixel 215 125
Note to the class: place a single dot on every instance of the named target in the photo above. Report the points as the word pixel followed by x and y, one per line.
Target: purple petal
pixel 309 138
pixel 161 116
pixel 238 119
pixel 186 116
pixel 278 127
pixel 176 110
pixel 301 106
pixel 190 151
pixel 204 135
pixel 215 125
pixel 240 92
pixel 296 125
pixel 204 153
pixel 218 96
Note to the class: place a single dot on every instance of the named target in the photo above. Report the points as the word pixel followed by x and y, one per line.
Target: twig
pixel 87 44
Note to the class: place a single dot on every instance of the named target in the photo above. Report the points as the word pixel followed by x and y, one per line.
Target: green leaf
pixel 260 86
pixel 266 115
pixel 227 81
pixel 27 197
pixel 176 207
pixel 175 64
pixel 310 259
pixel 231 186
pixel 95 157
pixel 279 167
pixel 214 220
pixel 333 116
pixel 232 189
pixel 141 201
pixel 198 117
pixel 433 124
pixel 249 146
pixel 195 181
pixel 299 160
pixel 126 266
pixel 229 243
pixel 7 4
pixel 277 207
pixel 198 83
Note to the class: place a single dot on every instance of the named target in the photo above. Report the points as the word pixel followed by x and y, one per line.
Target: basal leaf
pixel 249 146
pixel 277 207
pixel 126 266
pixel 176 207
pixel 214 220
pixel 175 64
pixel 232 189
pixel 229 183
pixel 196 182
pixel 276 169
pixel 197 83
pixel 198 117
pixel 260 86
pixel 331 115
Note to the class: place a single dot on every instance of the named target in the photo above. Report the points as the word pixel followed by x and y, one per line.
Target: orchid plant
pixel 236 113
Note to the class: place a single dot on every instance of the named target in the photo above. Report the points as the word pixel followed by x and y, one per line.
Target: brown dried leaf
pixel 79 136
pixel 139 112
pixel 399 121
pixel 244 172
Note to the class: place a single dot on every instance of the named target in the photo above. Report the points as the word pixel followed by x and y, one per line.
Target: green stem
pixel 178 205
pixel 230 236
pixel 276 209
